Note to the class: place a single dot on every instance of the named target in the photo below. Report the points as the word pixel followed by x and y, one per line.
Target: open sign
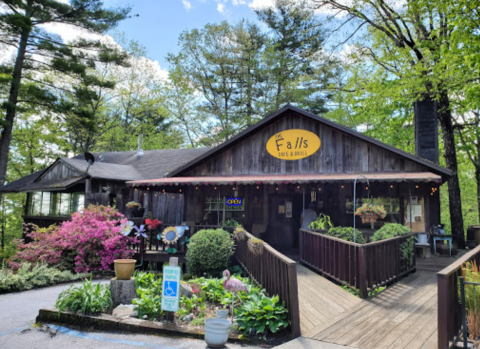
pixel 234 202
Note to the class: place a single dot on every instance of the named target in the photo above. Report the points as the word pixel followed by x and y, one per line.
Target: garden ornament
pixel 126 227
pixel 140 231
pixel 169 236
pixel 234 286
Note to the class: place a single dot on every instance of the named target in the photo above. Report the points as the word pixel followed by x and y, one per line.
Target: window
pixel 55 204
pixel 391 204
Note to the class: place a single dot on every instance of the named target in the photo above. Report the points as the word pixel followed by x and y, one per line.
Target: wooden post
pixel 362 272
pixel 294 307
pixel 443 315
pixel 173 262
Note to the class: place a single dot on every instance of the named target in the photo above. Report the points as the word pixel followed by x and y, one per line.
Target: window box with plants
pixel 255 246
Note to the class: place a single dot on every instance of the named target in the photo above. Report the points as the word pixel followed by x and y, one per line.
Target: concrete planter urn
pixel 222 313
pixel 216 332
pixel 124 268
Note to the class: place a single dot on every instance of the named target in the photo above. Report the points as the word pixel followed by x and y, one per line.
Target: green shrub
pixel 86 298
pixel 149 290
pixel 209 252
pixel 150 304
pixel 322 222
pixel 391 230
pixel 346 233
pixel 28 277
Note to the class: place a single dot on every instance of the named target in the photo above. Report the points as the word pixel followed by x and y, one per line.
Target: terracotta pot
pixel 124 268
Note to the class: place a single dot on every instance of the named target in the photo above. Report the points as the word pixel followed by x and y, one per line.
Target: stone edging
pixel 105 322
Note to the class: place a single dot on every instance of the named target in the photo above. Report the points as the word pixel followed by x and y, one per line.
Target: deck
pixel 403 316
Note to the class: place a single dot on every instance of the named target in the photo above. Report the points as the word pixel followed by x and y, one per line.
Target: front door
pixel 284 212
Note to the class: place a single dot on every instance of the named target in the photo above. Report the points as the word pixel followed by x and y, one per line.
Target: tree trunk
pixel 455 202
pixel 11 107
pixel 477 178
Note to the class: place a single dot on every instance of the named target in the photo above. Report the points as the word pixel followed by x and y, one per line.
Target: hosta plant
pixel 262 314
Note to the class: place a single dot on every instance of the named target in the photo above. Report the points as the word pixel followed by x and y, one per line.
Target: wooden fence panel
pixel 449 311
pixel 274 272
pixel 363 267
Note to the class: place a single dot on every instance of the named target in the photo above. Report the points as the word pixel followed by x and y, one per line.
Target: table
pixel 442 237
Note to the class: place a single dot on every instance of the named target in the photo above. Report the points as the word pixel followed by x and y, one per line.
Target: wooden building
pixel 262 178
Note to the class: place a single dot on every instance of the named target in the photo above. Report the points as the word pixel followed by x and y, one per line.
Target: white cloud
pixel 187 4
pixel 239 2
pixel 220 7
pixel 259 4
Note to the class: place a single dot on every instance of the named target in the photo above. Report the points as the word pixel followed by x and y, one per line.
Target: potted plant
pixel 370 213
pixel 137 209
pixel 240 233
pixel 255 246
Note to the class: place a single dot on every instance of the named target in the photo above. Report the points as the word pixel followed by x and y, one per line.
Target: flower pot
pixel 255 248
pixel 216 332
pixel 124 268
pixel 369 217
pixel 240 234
pixel 222 313
pixel 138 212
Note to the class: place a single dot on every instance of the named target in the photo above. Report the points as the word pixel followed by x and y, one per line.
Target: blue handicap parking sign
pixel 170 289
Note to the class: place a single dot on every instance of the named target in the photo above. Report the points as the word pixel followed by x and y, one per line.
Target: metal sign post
pixel 171 287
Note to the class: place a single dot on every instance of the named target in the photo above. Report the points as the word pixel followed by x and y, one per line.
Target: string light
pixel 276 188
pixel 196 188
pixel 319 189
pixel 416 186
pixel 233 188
pixel 258 187
pixel 343 186
pixel 180 190
pixel 298 187
pixel 135 189
pixel 148 188
pixel 215 188
pixel 391 186
pixel 366 188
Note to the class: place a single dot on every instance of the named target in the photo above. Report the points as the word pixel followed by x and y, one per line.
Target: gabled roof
pixel 121 166
pixel 242 135
pixel 20 184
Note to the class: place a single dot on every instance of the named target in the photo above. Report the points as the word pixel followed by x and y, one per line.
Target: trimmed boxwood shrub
pixel 391 230
pixel 346 233
pixel 209 252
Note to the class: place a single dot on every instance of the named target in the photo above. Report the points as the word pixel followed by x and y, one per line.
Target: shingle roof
pixel 120 166
pixel 152 164
pixel 20 184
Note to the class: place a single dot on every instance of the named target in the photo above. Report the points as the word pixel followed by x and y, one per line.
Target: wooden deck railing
pixel 274 272
pixel 363 267
pixel 449 311
pixel 152 243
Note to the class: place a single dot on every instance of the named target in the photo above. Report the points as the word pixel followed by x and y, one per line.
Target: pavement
pixel 18 311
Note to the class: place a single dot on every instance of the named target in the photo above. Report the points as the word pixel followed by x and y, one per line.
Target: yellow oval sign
pixel 293 144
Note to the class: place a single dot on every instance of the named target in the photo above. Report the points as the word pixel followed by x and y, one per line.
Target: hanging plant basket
pixel 255 247
pixel 240 233
pixel 369 217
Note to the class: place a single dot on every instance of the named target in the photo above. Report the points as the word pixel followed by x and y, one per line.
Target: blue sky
pixel 160 22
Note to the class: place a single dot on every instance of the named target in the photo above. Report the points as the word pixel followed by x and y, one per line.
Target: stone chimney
pixel 426 129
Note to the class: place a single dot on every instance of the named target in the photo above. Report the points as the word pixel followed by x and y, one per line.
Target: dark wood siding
pixel 60 171
pixel 339 153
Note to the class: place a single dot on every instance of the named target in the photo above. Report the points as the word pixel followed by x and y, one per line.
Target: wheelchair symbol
pixel 170 291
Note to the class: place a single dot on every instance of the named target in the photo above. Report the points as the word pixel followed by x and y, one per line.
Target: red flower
pixel 152 223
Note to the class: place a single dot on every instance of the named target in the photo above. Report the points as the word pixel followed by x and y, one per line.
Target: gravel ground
pixel 19 310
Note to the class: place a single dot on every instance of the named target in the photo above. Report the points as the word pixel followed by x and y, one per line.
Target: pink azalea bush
pixel 93 236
